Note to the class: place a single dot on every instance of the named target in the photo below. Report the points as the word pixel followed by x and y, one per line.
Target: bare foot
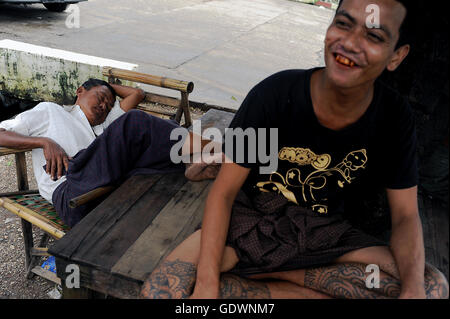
pixel 200 171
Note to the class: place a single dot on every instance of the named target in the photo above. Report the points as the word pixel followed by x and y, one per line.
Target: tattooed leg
pixel 175 279
pixel 234 287
pixel 347 278
pixel 436 285
pixel 175 276
pixel 171 280
pixel 349 281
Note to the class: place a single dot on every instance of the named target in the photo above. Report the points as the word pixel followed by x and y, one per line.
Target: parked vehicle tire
pixel 56 7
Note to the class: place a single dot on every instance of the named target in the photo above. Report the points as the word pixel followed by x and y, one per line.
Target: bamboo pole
pixel 163 82
pixel 31 217
pixel 89 196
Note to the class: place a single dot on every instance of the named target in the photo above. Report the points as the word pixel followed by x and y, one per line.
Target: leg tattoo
pixel 234 287
pixel 349 281
pixel 436 285
pixel 171 280
pixel 175 280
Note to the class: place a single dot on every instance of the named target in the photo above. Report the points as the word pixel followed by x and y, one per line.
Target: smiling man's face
pixel 356 54
pixel 95 103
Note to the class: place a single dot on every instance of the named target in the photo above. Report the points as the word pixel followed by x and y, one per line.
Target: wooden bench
pixel 35 210
pixel 119 243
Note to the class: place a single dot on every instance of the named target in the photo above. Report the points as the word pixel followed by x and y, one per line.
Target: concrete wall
pixel 43 74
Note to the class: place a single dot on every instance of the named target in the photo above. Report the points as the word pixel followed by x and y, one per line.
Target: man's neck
pixel 337 107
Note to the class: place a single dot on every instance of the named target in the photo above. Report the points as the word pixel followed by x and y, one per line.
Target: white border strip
pixel 66 55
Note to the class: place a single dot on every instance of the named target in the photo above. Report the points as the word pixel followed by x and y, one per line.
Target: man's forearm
pixel 124 91
pixel 18 141
pixel 408 250
pixel 214 233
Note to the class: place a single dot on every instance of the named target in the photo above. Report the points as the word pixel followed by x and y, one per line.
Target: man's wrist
pixel 42 142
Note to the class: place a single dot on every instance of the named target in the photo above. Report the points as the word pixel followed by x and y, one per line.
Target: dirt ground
pixel 13 282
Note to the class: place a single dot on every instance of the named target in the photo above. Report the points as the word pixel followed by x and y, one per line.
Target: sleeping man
pixel 98 141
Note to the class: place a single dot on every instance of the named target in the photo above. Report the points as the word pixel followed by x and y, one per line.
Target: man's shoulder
pixel 286 76
pixel 281 85
pixel 45 106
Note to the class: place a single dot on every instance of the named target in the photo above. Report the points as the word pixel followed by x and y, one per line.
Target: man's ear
pixel 80 90
pixel 397 58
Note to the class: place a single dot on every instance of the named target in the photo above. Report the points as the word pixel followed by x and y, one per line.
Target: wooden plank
pixel 26 192
pixel 176 221
pixel 112 240
pixel 161 99
pixel 215 118
pixel 46 274
pixel 21 169
pixel 8 151
pixel 84 234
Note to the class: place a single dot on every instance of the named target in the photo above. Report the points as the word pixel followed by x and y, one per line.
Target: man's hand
pixel 200 171
pixel 131 97
pixel 407 241
pixel 205 291
pixel 413 294
pixel 56 158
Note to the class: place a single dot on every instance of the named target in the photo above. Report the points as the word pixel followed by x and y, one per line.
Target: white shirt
pixel 67 126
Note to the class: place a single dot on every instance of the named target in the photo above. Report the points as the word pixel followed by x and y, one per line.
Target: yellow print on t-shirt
pixel 312 189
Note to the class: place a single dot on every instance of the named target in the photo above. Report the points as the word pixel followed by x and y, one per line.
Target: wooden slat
pixel 176 221
pixel 82 235
pixel 112 241
pixel 161 99
pixel 46 274
pixel 39 251
pixel 216 118
pixel 17 193
pixel 21 170
pixel 8 151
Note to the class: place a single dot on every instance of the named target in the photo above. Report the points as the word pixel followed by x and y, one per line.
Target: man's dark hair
pixel 91 83
pixel 406 28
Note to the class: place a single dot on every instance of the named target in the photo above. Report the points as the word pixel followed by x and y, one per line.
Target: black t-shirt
pixel 318 167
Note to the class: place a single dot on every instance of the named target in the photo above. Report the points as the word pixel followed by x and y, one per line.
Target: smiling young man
pixel 339 130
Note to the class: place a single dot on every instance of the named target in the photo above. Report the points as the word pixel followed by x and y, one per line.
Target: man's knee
pixel 436 284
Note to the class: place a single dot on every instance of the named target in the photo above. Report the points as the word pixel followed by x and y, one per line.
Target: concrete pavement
pixel 224 46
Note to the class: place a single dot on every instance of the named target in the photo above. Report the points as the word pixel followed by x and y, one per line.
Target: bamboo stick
pixel 89 196
pixel 30 216
pixel 163 82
